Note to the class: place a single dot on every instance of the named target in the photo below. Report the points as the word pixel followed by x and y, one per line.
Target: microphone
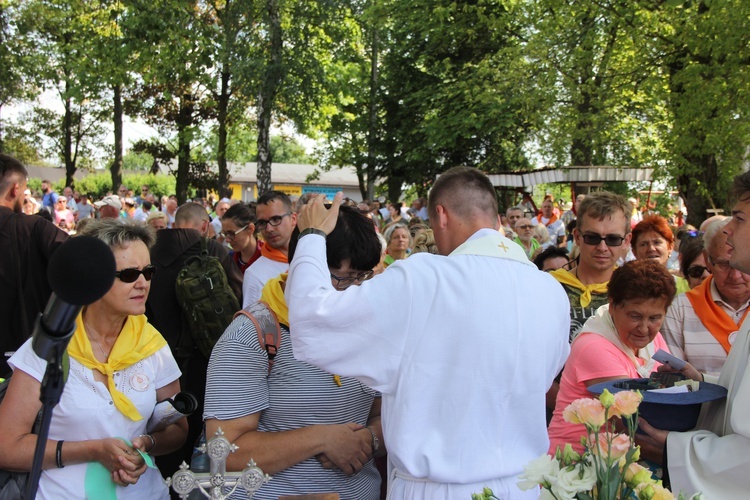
pixel 80 272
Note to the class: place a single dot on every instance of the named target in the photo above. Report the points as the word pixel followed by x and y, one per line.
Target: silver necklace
pixel 88 328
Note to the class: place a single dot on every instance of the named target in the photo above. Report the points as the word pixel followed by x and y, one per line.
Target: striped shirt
pixel 688 339
pixel 294 395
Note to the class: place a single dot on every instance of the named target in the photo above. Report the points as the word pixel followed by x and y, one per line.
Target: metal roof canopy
pixel 551 175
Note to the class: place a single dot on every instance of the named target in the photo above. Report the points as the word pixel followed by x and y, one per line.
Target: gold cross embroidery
pixel 502 245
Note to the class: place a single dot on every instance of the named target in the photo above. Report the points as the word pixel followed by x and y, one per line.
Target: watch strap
pixel 312 230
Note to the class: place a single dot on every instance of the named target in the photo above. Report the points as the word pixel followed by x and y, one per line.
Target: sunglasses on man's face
pixel 131 274
pixel 611 240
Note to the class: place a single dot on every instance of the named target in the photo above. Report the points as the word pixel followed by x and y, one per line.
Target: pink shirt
pixel 591 357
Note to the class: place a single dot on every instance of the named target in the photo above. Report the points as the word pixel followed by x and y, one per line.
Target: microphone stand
pixel 52 349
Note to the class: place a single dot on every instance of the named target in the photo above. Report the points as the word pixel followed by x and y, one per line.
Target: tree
pixel 171 42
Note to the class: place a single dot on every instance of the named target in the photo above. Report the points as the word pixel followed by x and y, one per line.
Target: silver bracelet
pixel 153 441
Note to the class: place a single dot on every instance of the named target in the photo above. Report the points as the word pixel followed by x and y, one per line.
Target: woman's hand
pixel 114 454
pixel 349 448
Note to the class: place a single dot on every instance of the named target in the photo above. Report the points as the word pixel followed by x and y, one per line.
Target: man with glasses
pixel 602 235
pixel 275 220
pixel 525 237
pixel 701 325
pixel 169 255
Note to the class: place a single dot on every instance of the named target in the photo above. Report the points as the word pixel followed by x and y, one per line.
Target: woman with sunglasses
pixel 120 366
pixel 313 431
pixel 693 261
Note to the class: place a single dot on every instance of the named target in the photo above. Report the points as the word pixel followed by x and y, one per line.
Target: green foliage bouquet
pixel 608 468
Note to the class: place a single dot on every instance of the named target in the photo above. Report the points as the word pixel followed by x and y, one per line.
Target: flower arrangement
pixel 608 468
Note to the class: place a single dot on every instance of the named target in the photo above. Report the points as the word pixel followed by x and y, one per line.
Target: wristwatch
pixel 375 440
pixel 312 230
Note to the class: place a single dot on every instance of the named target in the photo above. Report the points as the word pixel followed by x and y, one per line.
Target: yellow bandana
pixel 273 295
pixel 567 278
pixel 137 340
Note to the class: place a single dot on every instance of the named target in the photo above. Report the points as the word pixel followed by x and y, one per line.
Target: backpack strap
pixel 266 325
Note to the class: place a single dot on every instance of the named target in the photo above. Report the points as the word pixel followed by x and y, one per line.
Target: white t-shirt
pixel 256 277
pixel 86 411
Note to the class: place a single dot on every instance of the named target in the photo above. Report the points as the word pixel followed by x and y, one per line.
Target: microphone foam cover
pixel 82 270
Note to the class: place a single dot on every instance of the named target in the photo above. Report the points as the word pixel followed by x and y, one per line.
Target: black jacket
pixel 173 247
pixel 37 241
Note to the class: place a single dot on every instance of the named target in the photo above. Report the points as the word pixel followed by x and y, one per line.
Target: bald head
pixel 192 216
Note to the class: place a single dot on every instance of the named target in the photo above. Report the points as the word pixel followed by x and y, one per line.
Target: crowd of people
pixel 410 335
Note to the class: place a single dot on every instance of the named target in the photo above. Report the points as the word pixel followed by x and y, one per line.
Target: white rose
pixel 571 482
pixel 538 472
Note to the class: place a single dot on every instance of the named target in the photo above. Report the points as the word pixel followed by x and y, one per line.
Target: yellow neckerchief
pixel 718 323
pixel 273 295
pixel 567 278
pixel 274 254
pixel 137 340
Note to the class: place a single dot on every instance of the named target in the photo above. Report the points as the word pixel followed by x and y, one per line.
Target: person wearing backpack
pixel 173 248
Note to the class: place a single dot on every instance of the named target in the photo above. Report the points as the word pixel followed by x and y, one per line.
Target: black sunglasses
pixel 611 240
pixel 131 274
pixel 696 271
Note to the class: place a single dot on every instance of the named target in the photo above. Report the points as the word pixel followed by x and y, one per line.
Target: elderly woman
pixel 399 241
pixel 313 431
pixel 238 230
pixel 120 366
pixel 617 342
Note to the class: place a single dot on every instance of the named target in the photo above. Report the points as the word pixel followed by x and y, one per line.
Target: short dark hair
pixel 641 279
pixel 10 168
pixel 354 238
pixel 550 252
pixel 191 212
pixel 741 186
pixel 270 196
pixel 463 190
pixel 241 214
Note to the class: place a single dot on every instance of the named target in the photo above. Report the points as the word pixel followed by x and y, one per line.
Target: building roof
pixel 550 175
pixel 287 173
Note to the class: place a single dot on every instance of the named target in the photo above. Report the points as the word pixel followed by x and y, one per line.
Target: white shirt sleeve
pixel 346 332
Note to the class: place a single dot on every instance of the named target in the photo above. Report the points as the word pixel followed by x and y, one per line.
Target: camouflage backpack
pixel 206 299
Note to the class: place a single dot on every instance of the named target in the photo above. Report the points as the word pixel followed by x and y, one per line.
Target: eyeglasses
pixel 131 274
pixel 346 282
pixel 273 221
pixel 611 240
pixel 722 265
pixel 696 271
pixel 232 234
pixel 525 226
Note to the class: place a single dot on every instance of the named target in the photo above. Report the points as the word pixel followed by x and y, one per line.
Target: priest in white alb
pixel 457 343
